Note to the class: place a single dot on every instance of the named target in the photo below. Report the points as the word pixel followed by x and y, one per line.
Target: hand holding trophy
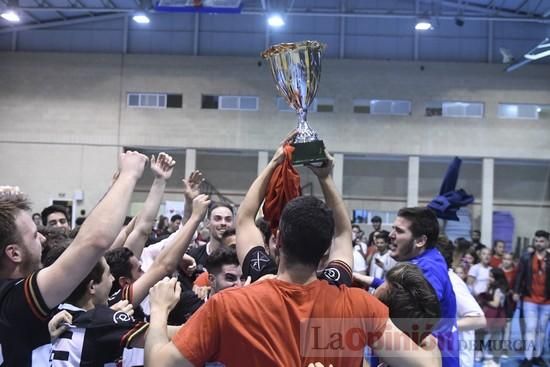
pixel 296 69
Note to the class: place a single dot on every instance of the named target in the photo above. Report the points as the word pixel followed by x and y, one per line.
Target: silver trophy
pixel 296 69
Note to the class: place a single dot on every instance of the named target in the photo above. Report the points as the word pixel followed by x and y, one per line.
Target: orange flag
pixel 283 187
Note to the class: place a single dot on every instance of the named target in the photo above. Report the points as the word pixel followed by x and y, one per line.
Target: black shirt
pixel 97 338
pixel 199 254
pixel 23 322
pixel 258 263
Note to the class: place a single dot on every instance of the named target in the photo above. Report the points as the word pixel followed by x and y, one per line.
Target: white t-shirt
pixel 151 252
pixel 466 305
pixel 359 262
pixel 481 275
pixel 378 272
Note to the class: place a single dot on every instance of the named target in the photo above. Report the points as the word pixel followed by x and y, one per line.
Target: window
pixel 154 100
pixel 390 107
pixel 325 104
pixel 366 215
pixel 455 109
pixel 240 103
pixel 523 111
pixel 382 106
pixel 361 106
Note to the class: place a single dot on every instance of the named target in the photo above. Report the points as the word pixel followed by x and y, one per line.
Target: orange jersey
pixel 265 323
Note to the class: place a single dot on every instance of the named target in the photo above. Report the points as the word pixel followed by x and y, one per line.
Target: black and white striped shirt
pixel 96 338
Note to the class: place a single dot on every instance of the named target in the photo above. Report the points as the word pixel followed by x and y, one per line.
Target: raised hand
pixel 162 166
pixel 165 294
pixel 202 292
pixel 132 163
pixel 123 306
pixel 200 206
pixel 279 155
pixel 326 169
pixel 191 186
pixel 58 324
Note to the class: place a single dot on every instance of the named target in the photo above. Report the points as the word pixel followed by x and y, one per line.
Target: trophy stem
pixel 305 133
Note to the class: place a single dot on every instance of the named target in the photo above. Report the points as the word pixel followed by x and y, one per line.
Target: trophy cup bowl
pixel 296 69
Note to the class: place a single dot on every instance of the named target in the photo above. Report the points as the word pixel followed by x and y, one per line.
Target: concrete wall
pixel 63 118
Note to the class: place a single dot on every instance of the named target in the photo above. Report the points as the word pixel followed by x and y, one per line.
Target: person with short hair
pixel 497 253
pixel 28 291
pixel 229 239
pixel 259 325
pixel 55 216
pixel 219 219
pixel 533 287
pixel 413 238
pixel 478 275
pixel 381 261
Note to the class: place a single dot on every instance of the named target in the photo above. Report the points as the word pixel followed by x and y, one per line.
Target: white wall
pixel 63 118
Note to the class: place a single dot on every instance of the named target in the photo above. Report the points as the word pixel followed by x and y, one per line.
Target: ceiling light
pixel 423 24
pixel 11 16
pixel 275 20
pixel 141 18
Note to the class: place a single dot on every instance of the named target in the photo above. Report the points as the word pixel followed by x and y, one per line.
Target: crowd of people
pixel 214 286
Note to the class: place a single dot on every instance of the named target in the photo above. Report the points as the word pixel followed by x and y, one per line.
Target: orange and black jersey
pixel 258 263
pixel 23 323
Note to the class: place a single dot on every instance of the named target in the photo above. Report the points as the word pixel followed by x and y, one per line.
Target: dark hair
pixel 500 281
pixel 95 275
pixel 119 262
pixel 55 237
pixel 218 204
pixel 37 215
pixel 384 235
pixel 423 222
pixel 306 229
pixel 80 221
pixel 446 249
pixel 476 231
pixel 462 244
pixel 376 219
pixel 542 233
pixel 53 209
pixel 410 299
pixel 356 226
pixel 11 204
pixel 221 256
pixel 176 217
pixel 263 226
pixel 229 232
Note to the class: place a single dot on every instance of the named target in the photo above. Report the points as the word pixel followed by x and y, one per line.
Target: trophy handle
pixel 305 133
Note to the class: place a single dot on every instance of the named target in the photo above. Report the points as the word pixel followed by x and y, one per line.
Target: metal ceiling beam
pixel 520 19
pixel 479 8
pixel 60 23
pixel 48 5
pixel 521 5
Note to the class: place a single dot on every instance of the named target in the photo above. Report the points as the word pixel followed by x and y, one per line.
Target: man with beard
pixel 29 293
pixel 533 288
pixel 220 219
pixel 413 239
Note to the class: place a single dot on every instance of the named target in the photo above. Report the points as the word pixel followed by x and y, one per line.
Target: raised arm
pixel 162 169
pixel 96 235
pixel 123 234
pixel 167 261
pixel 248 234
pixel 342 248
pixel 159 352
pixel 191 189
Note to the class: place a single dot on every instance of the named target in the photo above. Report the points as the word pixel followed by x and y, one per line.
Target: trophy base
pixel 307 153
